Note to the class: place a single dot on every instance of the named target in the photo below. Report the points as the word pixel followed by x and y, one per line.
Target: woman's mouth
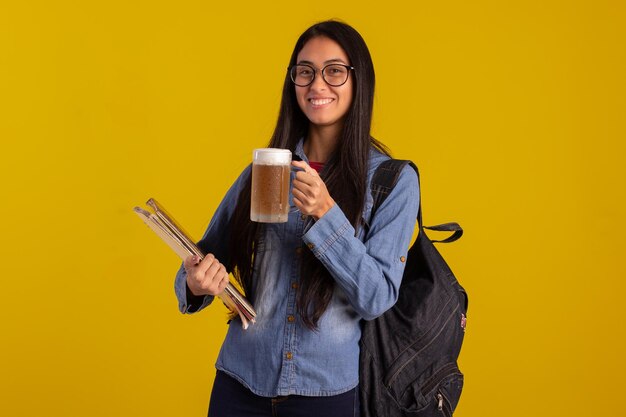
pixel 320 101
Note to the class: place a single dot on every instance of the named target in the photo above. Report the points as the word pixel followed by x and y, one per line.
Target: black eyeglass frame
pixel 291 76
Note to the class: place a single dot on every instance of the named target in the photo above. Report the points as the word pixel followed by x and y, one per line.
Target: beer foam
pixel 271 156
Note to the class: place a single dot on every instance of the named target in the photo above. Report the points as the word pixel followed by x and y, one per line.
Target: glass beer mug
pixel 271 169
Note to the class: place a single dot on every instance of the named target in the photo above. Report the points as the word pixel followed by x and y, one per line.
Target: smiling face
pixel 323 104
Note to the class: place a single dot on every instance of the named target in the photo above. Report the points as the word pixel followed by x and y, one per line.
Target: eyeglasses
pixel 334 75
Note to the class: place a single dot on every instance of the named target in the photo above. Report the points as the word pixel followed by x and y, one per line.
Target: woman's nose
pixel 318 82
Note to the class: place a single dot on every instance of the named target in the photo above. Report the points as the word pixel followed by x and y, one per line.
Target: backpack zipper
pixel 444 404
pixel 440 375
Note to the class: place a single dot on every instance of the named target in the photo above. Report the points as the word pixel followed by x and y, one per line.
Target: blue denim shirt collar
pixel 299 152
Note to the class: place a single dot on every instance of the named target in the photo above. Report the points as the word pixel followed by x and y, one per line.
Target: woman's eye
pixel 337 70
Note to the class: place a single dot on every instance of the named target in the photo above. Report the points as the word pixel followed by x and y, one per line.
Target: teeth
pixel 320 102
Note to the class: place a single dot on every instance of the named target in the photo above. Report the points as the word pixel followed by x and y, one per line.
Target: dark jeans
pixel 231 399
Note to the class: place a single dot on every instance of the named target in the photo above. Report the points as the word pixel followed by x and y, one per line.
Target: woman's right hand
pixel 206 277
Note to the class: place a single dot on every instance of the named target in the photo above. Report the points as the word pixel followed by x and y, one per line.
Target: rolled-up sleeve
pixel 369 272
pixel 215 241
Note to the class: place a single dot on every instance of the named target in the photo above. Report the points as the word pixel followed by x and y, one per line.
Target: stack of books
pixel 171 233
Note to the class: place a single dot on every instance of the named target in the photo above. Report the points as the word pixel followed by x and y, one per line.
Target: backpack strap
pixel 447 227
pixel 385 179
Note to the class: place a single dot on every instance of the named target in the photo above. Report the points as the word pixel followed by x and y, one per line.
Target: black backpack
pixel 408 362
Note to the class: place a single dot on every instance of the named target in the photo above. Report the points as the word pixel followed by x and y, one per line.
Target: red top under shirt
pixel 318 166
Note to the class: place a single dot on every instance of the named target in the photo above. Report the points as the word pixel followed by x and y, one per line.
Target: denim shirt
pixel 279 355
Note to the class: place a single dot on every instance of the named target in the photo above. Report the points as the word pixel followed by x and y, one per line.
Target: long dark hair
pixel 345 173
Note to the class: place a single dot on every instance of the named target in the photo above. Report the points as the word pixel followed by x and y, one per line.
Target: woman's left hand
pixel 310 194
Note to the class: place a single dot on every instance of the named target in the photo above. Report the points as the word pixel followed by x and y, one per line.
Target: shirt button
pixel 402 259
pixel 291 319
pixel 294 285
pixel 303 216
pixel 289 356
pixel 310 245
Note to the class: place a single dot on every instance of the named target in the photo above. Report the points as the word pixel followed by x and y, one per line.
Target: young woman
pixel 312 279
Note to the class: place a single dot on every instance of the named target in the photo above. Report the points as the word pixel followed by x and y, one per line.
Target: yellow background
pixel 514 111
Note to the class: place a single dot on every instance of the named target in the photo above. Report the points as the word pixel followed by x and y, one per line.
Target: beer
pixel 270 185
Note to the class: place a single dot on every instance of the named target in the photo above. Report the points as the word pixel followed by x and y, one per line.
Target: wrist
pixel 328 204
pixel 192 296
